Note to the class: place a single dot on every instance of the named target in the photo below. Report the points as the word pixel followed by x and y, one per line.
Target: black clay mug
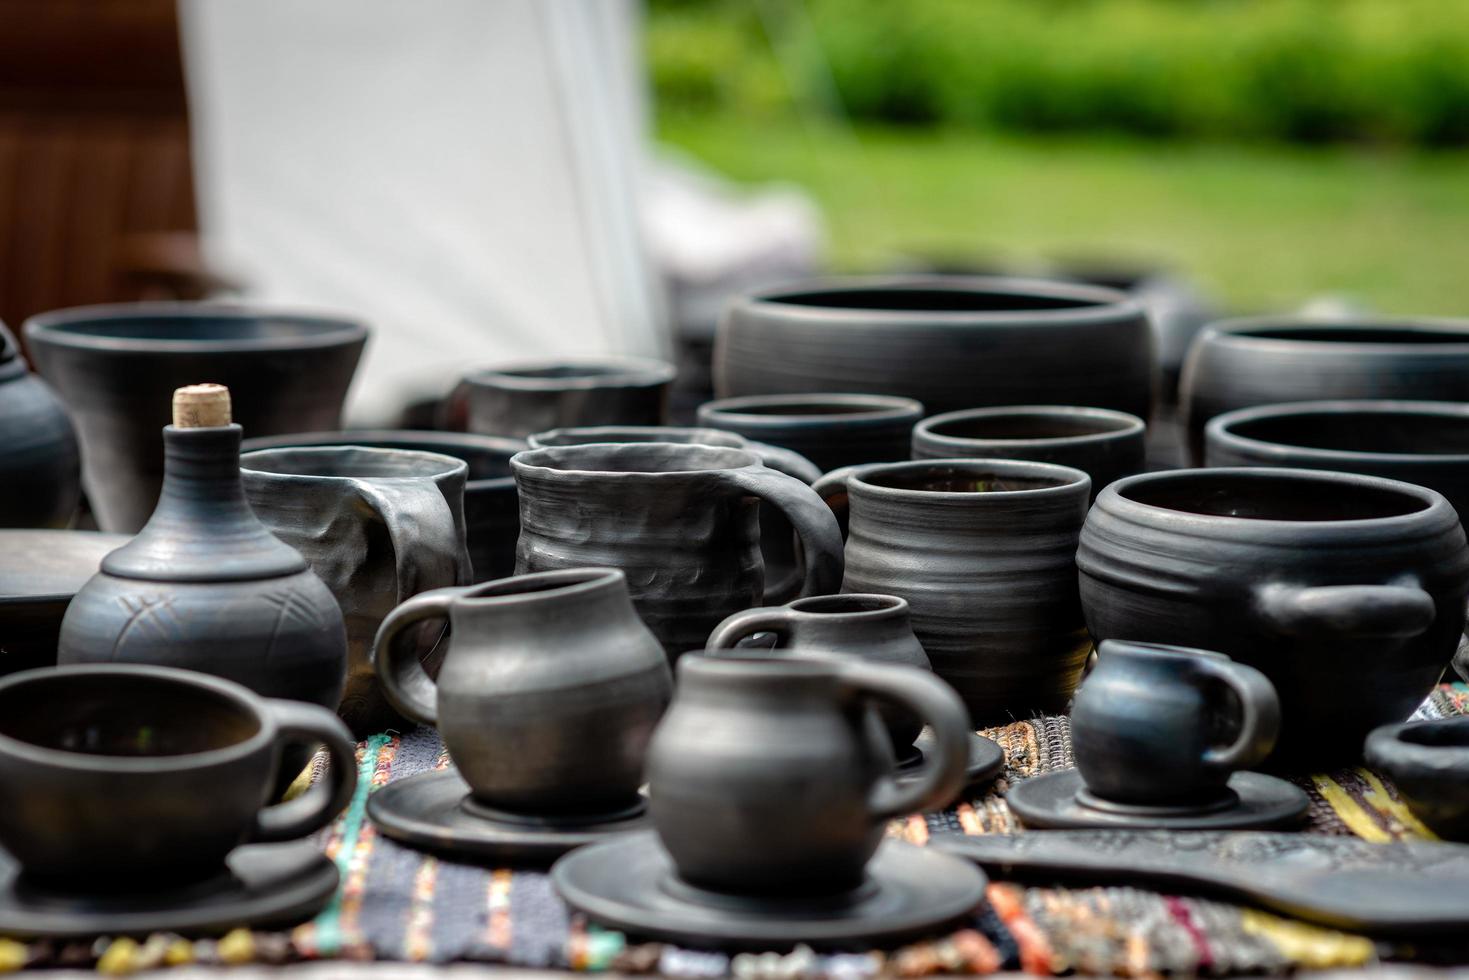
pixel 769 775
pixel 548 693
pixel 1157 725
pixel 874 628
pixel 984 552
pixel 129 774
pixel 680 520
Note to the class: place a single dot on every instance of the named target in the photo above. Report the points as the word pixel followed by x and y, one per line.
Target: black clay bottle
pixel 204 585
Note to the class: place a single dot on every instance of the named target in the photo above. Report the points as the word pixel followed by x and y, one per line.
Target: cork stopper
pixel 201 407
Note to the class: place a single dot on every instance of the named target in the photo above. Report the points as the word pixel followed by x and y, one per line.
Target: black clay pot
pixel 1428 761
pixel 1106 445
pixel 378 526
pixel 949 342
pixel 206 586
pixel 741 733
pixel 830 430
pixel 680 520
pixel 1346 591
pixel 40 571
pixel 116 366
pixel 40 467
pixel 983 550
pixel 557 665
pixel 116 776
pixel 1242 363
pixel 1426 443
pixel 519 399
pixel 491 509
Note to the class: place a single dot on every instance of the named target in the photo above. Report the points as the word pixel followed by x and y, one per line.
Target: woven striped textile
pixel 396 903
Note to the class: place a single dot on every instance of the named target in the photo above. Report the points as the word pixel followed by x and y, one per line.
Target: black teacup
pixel 144 775
pixel 1157 725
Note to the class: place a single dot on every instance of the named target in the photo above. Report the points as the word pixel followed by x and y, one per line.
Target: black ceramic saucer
pixel 265 885
pixel 630 885
pixel 1059 800
pixel 986 758
pixel 432 811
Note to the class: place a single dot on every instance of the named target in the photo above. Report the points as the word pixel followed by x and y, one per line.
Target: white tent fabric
pixel 463 174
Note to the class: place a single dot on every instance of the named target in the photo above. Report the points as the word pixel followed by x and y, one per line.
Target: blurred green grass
pixel 1261 227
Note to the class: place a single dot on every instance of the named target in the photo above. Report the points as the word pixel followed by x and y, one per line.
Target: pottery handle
pixel 819 537
pixel 1385 611
pixel 786 461
pixel 428 547
pixel 297 721
pixel 1259 725
pixel 918 692
pixel 405 683
pixel 746 623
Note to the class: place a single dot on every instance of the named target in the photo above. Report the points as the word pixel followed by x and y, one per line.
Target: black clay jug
pixel 205 585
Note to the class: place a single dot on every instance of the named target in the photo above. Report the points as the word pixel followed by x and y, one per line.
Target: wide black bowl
pixel 830 430
pixel 950 342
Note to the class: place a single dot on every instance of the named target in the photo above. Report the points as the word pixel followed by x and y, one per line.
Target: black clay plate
pixel 1407 888
pixel 986 758
pixel 629 884
pixel 1050 801
pixel 266 885
pixel 426 811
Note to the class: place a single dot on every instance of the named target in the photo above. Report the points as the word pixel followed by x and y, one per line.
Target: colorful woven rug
pixel 395 903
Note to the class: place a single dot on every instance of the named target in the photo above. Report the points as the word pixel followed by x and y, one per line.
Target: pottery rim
pixel 606 372
pixel 865 606
pixel 443 443
pixel 562 583
pixel 250 703
pixel 442 465
pixel 750 410
pixel 1111 424
pixel 1443 759
pixel 84 327
pixel 1076 302
pixel 587 435
pixel 1255 332
pixel 544 461
pixel 1170 650
pixel 1062 480
pixel 1220 429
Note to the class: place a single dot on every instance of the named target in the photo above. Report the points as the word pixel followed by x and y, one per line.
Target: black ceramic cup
pixel 680 520
pixel 984 552
pixel 1346 591
pixel 1428 761
pixel 518 399
pixel 831 430
pixel 1426 443
pixel 121 775
pixel 1157 725
pixel 491 509
pixel 768 775
pixel 1106 445
pixel 1239 363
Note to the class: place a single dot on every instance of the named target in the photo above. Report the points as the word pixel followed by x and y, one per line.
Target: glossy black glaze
pixel 1104 444
pixel 40 571
pixel 742 731
pixel 680 520
pixel 830 430
pixel 949 342
pixel 630 884
pixel 116 368
pixel 263 886
pixel 1346 591
pixel 557 665
pixel 1240 363
pixel 1397 888
pixel 206 586
pixel 127 773
pixel 1426 443
pixel 1428 761
pixel 491 508
pixel 519 399
pixel 874 628
pixel 1163 725
pixel 1060 800
pixel 378 526
pixel 983 550
pixel 40 465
